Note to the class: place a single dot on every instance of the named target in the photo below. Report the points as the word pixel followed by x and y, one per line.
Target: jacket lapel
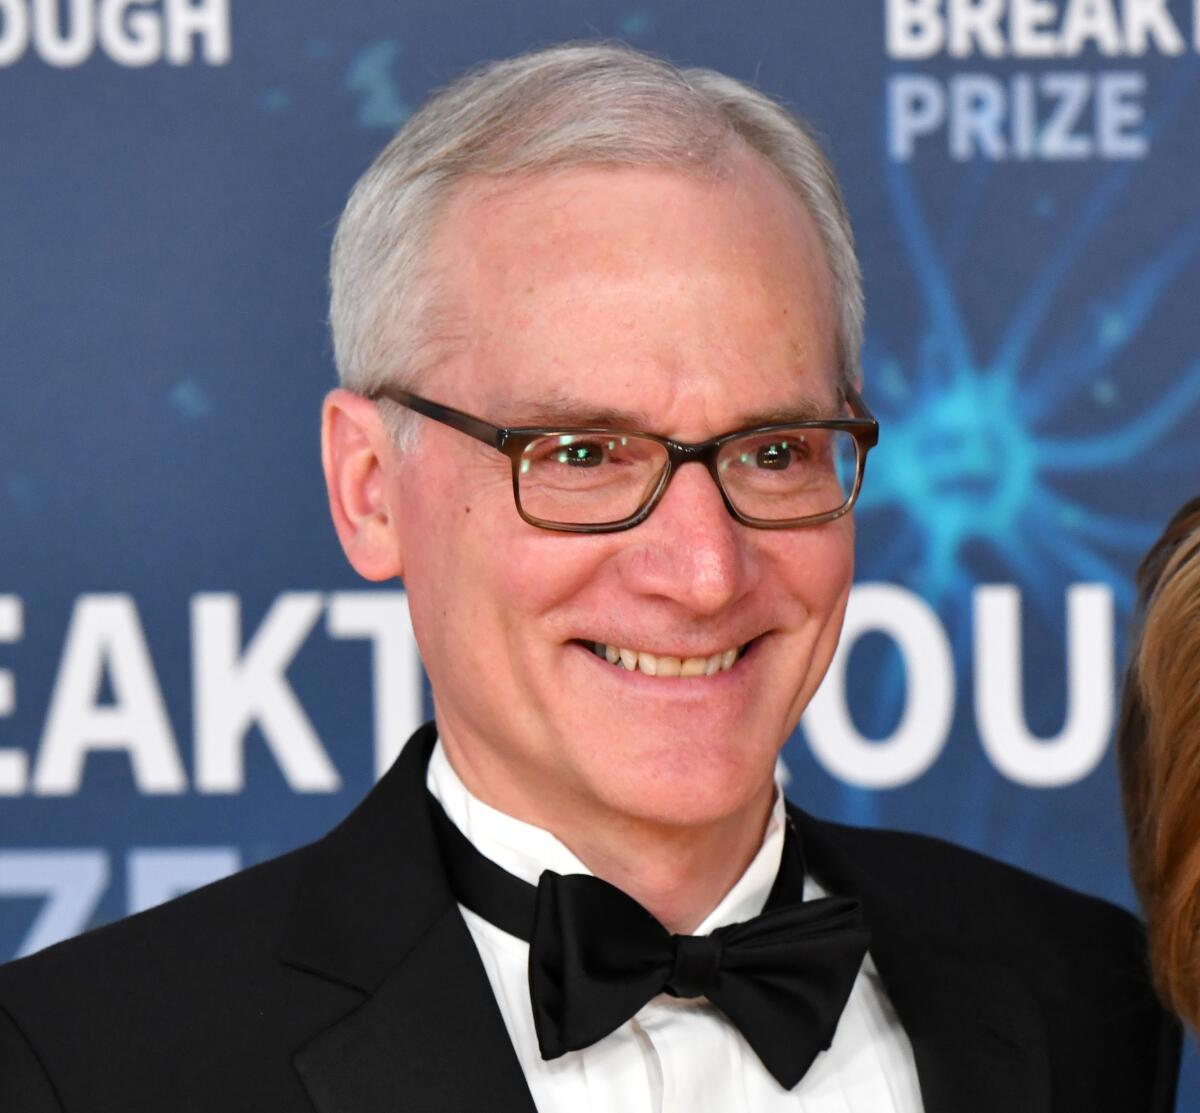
pixel 429 1039
pixel 374 912
pixel 977 1033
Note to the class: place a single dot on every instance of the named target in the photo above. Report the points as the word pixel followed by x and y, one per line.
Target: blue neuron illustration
pixel 972 453
pixel 990 458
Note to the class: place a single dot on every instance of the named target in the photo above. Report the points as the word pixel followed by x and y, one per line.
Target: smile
pixel 665 665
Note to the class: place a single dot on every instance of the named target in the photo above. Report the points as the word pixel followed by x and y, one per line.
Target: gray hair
pixel 573 105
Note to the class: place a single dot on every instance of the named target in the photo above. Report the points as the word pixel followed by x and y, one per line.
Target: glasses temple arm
pixel 855 401
pixel 481 430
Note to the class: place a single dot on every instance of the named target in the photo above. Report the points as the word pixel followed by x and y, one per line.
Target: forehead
pixel 686 297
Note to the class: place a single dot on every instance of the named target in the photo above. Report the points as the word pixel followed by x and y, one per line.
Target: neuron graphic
pixel 973 461
pixel 971 452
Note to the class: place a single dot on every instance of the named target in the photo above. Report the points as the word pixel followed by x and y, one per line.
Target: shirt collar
pixel 526 851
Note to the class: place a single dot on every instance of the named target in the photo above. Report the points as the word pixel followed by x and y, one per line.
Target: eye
pixel 775 456
pixel 580 454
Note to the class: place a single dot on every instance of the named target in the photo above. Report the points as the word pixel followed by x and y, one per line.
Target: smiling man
pixel 598 326
pixel 644 300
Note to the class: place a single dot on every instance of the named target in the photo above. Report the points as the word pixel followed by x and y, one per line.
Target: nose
pixel 690 549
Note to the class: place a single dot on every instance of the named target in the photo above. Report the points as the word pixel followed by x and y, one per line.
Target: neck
pixel 678 872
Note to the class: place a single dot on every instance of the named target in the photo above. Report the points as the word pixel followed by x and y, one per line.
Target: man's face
pixel 683 306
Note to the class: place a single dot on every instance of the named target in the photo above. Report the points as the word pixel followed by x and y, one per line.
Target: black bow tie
pixel 596 956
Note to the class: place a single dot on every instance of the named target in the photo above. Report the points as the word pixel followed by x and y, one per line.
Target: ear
pixel 359 459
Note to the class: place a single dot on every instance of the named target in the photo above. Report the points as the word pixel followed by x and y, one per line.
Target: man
pixel 571 277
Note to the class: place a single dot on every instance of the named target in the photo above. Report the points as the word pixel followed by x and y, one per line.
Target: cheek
pixel 823 572
pixel 471 562
pixel 818 568
pixel 546 573
pixel 441 554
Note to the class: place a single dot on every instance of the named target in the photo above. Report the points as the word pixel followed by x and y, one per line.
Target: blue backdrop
pixel 192 679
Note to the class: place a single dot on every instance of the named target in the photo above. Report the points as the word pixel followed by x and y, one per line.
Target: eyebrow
pixel 576 413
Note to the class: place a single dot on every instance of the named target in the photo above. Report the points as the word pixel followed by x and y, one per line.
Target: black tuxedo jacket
pixel 342 979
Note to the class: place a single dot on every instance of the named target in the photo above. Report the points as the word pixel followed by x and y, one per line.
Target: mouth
pixel 665 665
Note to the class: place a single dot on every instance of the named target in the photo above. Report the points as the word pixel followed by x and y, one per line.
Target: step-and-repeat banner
pixel 192 680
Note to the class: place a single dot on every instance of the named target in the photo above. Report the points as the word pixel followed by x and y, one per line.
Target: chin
pixel 687 785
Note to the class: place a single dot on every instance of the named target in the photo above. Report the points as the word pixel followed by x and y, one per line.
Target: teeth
pixel 651 664
pixel 669 666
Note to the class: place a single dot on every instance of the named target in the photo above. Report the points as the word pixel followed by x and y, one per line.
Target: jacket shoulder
pixel 1081 961
pixel 994 908
pixel 929 867
pixel 228 922
pixel 185 1006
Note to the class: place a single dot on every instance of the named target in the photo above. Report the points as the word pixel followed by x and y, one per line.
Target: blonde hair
pixel 1159 750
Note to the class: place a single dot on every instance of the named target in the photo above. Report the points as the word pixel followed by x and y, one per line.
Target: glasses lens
pixel 789 473
pixel 588 478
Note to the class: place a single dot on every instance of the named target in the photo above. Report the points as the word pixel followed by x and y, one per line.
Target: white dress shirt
pixel 676 1056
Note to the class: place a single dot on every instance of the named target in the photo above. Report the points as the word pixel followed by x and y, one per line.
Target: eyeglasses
pixel 596 480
